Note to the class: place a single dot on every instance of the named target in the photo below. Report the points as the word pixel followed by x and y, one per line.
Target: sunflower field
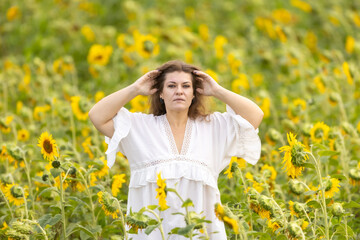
pixel 297 59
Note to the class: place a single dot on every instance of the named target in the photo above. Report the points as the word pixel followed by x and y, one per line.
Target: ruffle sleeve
pixel 247 143
pixel 237 137
pixel 122 126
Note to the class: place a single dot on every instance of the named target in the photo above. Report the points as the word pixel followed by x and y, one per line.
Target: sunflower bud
pixel 72 170
pixel 266 203
pixel 354 175
pixel 288 125
pixel 253 194
pixel 45 177
pixel 22 227
pixel 274 135
pixel 334 98
pixel 295 230
pixel 337 209
pixel 305 129
pixel 296 187
pixel 348 129
pixel 56 164
pixel 13 234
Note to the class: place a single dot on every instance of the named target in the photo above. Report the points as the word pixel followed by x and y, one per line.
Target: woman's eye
pixel 186 86
pixel 171 86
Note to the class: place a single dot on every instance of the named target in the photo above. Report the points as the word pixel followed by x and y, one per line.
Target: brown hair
pixel 197 107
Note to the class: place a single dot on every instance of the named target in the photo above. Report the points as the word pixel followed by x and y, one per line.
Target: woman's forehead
pixel 178 77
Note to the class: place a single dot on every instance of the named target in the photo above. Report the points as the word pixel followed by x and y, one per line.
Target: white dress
pixel 148 143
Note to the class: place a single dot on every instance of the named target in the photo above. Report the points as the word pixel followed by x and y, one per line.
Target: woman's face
pixel 178 91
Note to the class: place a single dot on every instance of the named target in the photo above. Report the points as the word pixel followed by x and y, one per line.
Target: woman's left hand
pixel 210 86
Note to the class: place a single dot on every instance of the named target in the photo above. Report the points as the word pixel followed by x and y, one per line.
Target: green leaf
pixel 351 204
pixel 152 207
pixel 339 176
pixel 187 203
pixel 185 230
pixel 49 189
pixel 87 231
pixel 309 165
pixel 313 203
pixel 55 172
pixel 281 237
pixel 151 228
pixel 47 219
pixel 307 193
pixel 328 153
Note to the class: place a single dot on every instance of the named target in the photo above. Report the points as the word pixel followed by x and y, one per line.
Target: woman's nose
pixel 179 90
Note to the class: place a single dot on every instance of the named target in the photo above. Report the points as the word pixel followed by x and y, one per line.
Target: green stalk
pixel 186 209
pixel 27 171
pixel 62 201
pixel 122 219
pixel 88 192
pixel 248 202
pixel 323 204
pixel 158 218
pixel 73 132
pixel 25 202
pixel 344 159
pixel 7 203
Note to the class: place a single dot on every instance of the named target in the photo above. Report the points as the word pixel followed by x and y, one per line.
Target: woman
pixel 188 147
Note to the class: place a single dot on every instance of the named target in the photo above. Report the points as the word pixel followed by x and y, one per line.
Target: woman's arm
pixel 241 105
pixel 102 113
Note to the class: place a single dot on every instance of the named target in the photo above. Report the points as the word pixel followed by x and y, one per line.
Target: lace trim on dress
pixel 170 136
pixel 175 158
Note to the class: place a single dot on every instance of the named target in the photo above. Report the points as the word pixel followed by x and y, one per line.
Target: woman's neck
pixel 177 119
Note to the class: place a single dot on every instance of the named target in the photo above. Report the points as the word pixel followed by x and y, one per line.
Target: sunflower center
pixel 16 191
pixel 298 156
pixel 48 146
pixel 328 185
pixel 148 46
pixel 319 133
pixel 99 57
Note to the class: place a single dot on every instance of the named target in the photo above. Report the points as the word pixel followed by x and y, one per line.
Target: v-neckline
pixel 171 138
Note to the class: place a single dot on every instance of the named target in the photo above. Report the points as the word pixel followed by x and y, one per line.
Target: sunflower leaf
pixel 314 203
pixel 351 204
pixel 151 228
pixel 327 153
pixel 55 172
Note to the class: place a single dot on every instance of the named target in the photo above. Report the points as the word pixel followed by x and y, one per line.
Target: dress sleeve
pixel 122 126
pixel 237 137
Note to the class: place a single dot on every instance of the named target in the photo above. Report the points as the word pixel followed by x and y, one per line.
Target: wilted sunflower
pixel 108 204
pixel 274 225
pixel 14 193
pixel 294 157
pixel 319 132
pixel 48 146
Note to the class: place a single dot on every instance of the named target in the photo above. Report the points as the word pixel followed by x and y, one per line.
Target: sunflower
pixel 232 223
pixel 354 175
pixel 48 146
pixel 5 124
pixel 99 55
pixel 331 186
pixel 108 204
pixel 319 132
pixel 23 135
pixel 101 166
pixel 118 180
pixel 40 110
pixel 256 185
pixel 86 145
pixel 229 172
pixel 274 225
pixel 294 157
pixel 15 194
pixel 79 107
pixel 296 109
pixel 146 45
pixel 269 172
pixel 161 192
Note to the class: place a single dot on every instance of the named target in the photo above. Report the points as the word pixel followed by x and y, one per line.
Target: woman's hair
pixel 197 107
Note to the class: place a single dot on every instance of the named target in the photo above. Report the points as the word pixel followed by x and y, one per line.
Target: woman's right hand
pixel 145 83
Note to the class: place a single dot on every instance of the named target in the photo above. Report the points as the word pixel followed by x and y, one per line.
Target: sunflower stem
pixel 344 159
pixel 248 202
pixel 158 218
pixel 122 218
pixel 186 209
pixel 323 204
pixel 73 133
pixel 27 171
pixel 7 203
pixel 25 203
pixel 307 216
pixel 88 192
pixel 62 201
